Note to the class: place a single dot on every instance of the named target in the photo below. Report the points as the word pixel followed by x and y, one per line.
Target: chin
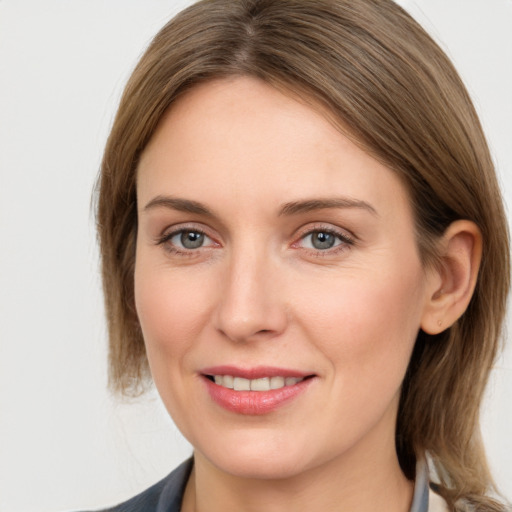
pixel 259 467
pixel 264 460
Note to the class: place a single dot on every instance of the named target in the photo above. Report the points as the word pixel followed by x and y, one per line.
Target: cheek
pixel 170 308
pixel 171 313
pixel 367 325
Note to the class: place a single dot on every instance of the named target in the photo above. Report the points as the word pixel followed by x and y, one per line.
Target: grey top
pixel 167 495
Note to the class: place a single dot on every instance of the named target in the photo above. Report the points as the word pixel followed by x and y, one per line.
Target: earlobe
pixel 452 283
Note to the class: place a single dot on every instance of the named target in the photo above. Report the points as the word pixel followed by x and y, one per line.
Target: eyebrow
pixel 182 205
pixel 291 208
pixel 297 207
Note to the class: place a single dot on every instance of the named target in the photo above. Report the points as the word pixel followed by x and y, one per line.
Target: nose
pixel 251 304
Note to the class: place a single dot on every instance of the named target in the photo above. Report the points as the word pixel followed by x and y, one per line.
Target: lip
pixel 254 403
pixel 257 372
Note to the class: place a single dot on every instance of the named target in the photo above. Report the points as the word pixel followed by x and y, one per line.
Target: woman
pixel 303 242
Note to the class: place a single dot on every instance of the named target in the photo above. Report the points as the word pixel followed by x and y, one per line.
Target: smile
pixel 261 384
pixel 255 391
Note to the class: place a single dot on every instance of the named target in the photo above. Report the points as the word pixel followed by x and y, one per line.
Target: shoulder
pixel 146 501
pixel 166 495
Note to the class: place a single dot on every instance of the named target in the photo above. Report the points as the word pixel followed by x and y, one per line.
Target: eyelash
pixel 344 239
pixel 166 238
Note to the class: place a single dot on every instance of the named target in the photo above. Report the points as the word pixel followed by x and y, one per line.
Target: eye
pixel 321 240
pixel 186 240
pixel 324 239
pixel 189 239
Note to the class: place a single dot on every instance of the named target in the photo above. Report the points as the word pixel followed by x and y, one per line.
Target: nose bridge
pixel 249 305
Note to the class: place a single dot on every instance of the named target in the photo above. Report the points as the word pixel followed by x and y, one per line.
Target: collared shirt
pixel 424 498
pixel 167 495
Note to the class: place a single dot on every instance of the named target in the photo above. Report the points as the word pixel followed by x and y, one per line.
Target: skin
pixel 258 292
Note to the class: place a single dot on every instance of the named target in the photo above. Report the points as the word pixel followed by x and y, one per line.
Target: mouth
pixel 260 384
pixel 256 391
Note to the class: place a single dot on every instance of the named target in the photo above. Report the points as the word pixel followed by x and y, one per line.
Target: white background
pixel 64 442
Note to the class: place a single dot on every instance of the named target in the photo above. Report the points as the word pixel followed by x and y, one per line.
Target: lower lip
pixel 254 402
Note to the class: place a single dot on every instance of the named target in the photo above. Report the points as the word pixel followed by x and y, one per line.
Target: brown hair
pixel 383 78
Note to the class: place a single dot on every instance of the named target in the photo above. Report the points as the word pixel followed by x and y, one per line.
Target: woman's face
pixel 275 255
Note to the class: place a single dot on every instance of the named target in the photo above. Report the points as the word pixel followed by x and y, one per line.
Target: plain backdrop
pixel 64 442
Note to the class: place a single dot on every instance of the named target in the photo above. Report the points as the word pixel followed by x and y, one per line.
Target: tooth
pixel 276 382
pixel 227 381
pixel 241 384
pixel 260 384
pixel 263 384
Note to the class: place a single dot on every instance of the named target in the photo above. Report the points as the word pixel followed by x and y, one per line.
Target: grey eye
pixel 189 239
pixel 322 240
pixel 192 239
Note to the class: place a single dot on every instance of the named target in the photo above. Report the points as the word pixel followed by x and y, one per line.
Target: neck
pixel 349 483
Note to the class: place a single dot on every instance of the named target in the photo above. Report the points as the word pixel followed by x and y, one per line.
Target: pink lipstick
pixel 254 391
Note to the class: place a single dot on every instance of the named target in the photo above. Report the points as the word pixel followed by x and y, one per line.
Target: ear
pixel 451 284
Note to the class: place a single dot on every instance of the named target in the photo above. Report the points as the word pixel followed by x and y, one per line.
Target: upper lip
pixel 256 372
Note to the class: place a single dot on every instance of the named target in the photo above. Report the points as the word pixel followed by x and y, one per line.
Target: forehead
pixel 242 138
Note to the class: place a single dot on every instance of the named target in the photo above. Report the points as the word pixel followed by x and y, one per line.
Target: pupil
pixel 322 240
pixel 192 239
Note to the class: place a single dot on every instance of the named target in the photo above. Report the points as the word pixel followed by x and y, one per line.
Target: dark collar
pixel 167 495
pixel 172 494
